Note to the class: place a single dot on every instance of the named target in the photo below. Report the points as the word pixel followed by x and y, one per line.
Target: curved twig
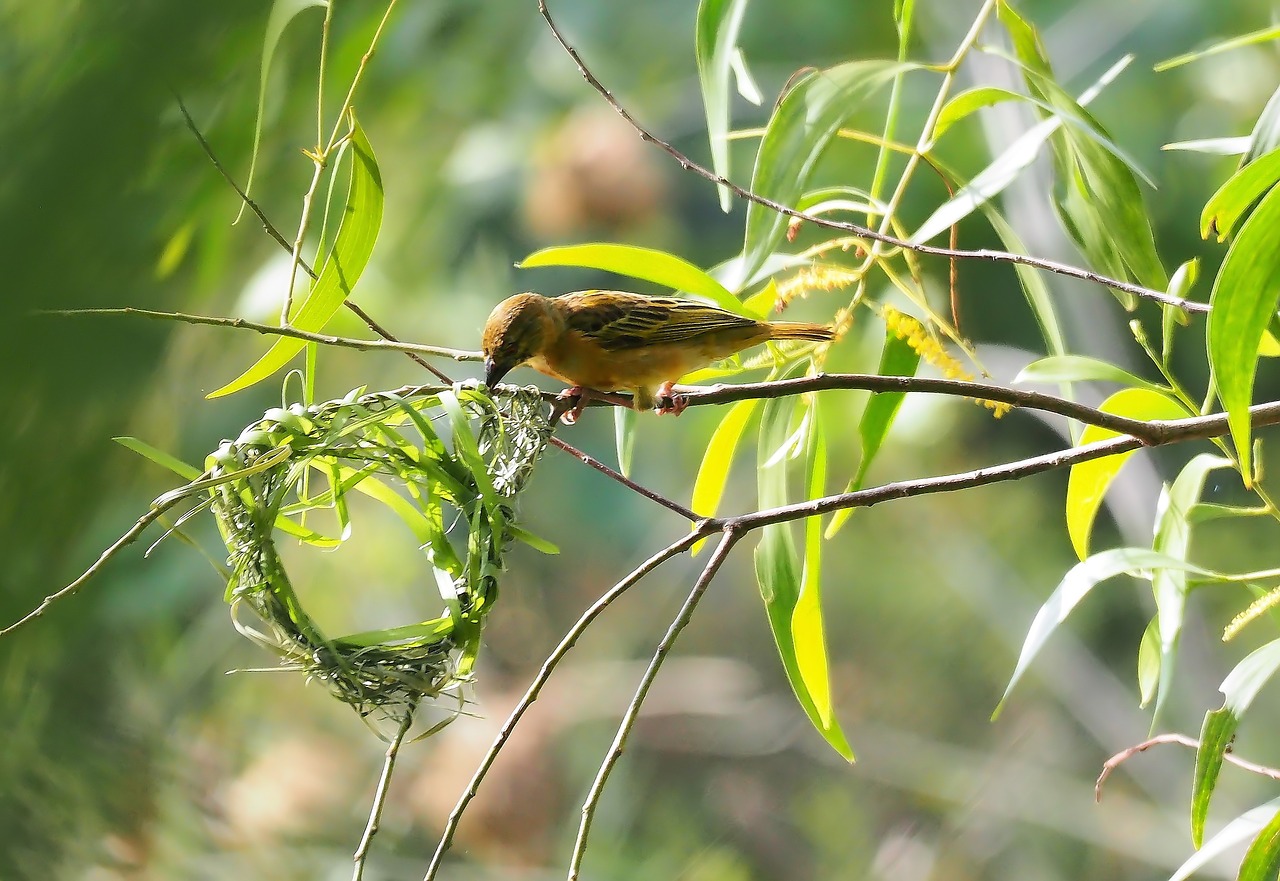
pixel 1181 739
pixel 844 226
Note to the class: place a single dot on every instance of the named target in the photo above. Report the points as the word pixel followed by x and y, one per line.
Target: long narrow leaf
pixel 716 43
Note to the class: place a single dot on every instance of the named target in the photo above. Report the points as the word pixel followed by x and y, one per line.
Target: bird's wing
pixel 616 320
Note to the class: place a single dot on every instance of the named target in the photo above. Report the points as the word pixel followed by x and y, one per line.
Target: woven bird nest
pixel 450 462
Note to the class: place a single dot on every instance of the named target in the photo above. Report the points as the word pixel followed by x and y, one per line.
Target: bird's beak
pixel 492 372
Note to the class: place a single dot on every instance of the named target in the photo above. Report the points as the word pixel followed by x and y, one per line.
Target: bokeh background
pixel 126 752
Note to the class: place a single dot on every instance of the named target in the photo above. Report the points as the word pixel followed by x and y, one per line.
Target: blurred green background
pixel 127 753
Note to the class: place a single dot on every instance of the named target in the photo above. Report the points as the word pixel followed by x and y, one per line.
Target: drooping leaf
pixel 1243 302
pixel 1001 171
pixel 1262 860
pixel 1089 480
pixel 716 39
pixel 282 12
pixel 1239 688
pixel 1076 585
pixel 342 267
pixel 798 133
pixel 777 562
pixel 807 631
pixel 1149 663
pixel 658 267
pixel 1173 538
pixel 624 437
pixel 1212 146
pixel 1265 136
pixel 713 473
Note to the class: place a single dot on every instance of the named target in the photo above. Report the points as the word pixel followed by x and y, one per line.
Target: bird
pixel 611 341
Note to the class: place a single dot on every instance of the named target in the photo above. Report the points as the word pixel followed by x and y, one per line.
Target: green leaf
pixel 1249 39
pixel 1212 146
pixel 807 630
pixel 1206 511
pixel 777 565
pixel 1001 171
pixel 1075 586
pixel 968 102
pixel 282 12
pixel 624 437
pixel 1026 40
pixel 1089 481
pixel 1243 301
pixel 646 263
pixel 1240 688
pixel 160 457
pixel 357 232
pixel 716 44
pixel 537 542
pixel 802 125
pixel 713 473
pixel 897 358
pixel 1229 206
pixel 1080 368
pixel 1173 538
pixel 1241 829
pixel 1262 859
pixel 1149 663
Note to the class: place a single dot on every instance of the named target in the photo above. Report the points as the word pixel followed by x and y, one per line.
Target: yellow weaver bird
pixel 609 341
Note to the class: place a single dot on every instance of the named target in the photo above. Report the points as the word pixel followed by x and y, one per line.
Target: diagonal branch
pixel 843 226
pixel 628 721
pixel 548 666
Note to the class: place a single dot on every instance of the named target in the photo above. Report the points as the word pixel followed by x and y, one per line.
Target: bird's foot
pixel 669 401
pixel 571 402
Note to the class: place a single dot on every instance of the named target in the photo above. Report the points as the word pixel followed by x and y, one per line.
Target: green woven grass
pixel 449 462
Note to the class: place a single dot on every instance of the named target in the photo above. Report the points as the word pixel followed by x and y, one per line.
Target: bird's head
pixel 517 329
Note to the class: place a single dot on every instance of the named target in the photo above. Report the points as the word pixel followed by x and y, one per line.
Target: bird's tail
pixel 800 330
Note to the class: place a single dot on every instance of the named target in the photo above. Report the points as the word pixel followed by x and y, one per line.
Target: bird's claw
pixel 669 401
pixel 580 397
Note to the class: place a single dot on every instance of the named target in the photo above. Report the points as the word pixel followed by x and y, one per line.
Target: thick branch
pixel 843 226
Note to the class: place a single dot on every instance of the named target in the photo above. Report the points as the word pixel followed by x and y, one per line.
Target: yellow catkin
pixel 820 277
pixel 1256 608
pixel 908 328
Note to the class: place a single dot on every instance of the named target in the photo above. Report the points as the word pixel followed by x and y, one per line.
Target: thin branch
pixel 267 225
pixel 588 459
pixel 277 330
pixel 284 243
pixel 122 542
pixel 864 232
pixel 1163 432
pixel 380 795
pixel 531 694
pixel 633 709
pixel 1182 740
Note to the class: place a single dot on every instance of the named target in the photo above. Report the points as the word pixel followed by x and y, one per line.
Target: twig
pixel 277 330
pixel 864 232
pixel 531 694
pixel 588 459
pixel 284 243
pixel 1181 739
pixel 380 795
pixel 633 709
pixel 122 542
